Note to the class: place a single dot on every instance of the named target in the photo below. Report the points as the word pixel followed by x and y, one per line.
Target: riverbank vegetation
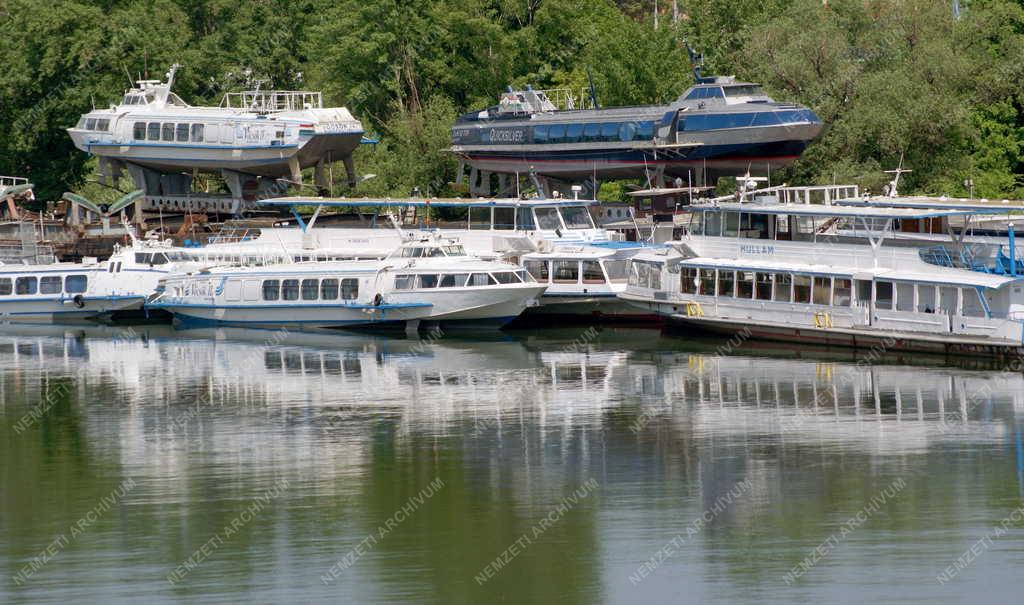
pixel 890 78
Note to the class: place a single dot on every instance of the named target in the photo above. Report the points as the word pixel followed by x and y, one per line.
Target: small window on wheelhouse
pixel 168 132
pixel 506 277
pixel 427 280
pixel 328 289
pixel 51 284
pixel 5 286
pixel 310 289
pixel 197 133
pixel 181 133
pixel 972 305
pixel 271 289
pixel 616 270
pixel 504 218
pixel 349 289
pixel 153 131
pixel 547 219
pixel 139 131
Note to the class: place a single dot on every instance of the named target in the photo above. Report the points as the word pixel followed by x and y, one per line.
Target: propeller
pixel 105 210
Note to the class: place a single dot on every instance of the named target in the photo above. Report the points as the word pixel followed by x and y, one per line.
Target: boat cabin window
pixel 948 301
pixel 90 123
pixel 592 273
pixel 577 217
pixel 524 219
pixel 290 289
pixel 403 282
pixel 726 284
pixel 616 270
pixel 196 135
pixel 822 291
pixel 504 218
pixel 744 284
pixel 547 219
pixel 904 297
pixel 525 277
pixel 802 289
pixel 76 284
pixel 842 295
pixel 454 280
pixel 271 289
pixel 50 284
pixel 707 282
pixel 181 133
pixel 455 250
pixel 566 272
pixel 310 289
pixel 139 131
pixel 883 295
pixel 481 279
pixel 153 131
pixel 972 305
pixel 732 224
pixel 25 285
pixel 646 275
pixel 763 286
pixel 168 132
pixel 688 280
pixel 426 280
pixel 349 289
pixel 783 290
pixel 328 289
pixel 5 286
pixel 538 269
pixel 926 299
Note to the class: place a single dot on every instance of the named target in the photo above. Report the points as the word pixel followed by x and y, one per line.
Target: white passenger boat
pixel 251 140
pixel 92 289
pixel 428 281
pixel 835 275
pixel 584 281
pixel 582 263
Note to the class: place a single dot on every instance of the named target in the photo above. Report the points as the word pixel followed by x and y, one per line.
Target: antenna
pixel 593 91
pixel 891 188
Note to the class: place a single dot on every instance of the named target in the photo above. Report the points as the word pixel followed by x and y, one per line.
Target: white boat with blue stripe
pixel 427 281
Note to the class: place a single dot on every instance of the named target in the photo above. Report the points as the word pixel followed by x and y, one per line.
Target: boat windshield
pixel 745 90
pixel 577 217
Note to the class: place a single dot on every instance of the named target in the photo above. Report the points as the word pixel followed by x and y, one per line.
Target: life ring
pixel 378 300
pixel 79 301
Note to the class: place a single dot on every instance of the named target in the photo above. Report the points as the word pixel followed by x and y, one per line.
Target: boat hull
pixel 36 309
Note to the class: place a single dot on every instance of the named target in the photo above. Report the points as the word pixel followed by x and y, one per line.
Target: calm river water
pixel 576 466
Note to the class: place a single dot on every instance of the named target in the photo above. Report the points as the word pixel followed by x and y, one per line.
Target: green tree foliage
pixel 890 78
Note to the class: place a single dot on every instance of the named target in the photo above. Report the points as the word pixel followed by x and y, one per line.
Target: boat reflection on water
pixel 207 420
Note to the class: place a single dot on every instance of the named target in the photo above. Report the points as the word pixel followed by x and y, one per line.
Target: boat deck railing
pixel 272 101
pixel 17 254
